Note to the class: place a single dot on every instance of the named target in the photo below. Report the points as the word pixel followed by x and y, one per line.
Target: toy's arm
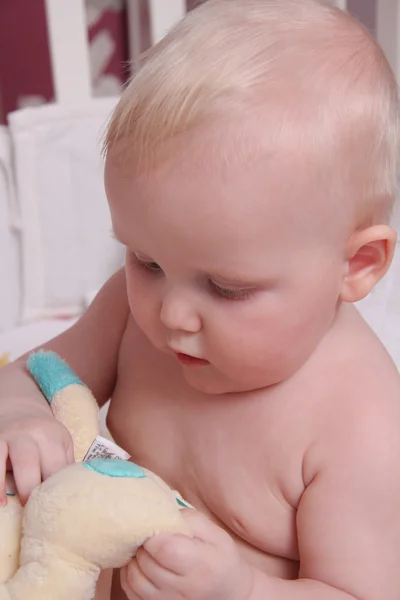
pixel 71 401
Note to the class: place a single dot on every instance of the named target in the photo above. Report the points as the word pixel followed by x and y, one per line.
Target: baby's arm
pixel 32 442
pixel 348 518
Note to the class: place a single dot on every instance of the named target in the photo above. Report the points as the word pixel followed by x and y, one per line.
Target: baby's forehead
pixel 268 147
pixel 241 175
pixel 263 132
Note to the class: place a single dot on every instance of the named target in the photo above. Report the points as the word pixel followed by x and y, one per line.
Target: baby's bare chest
pixel 235 460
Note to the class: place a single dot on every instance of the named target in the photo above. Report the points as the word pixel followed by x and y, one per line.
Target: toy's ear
pixel 368 257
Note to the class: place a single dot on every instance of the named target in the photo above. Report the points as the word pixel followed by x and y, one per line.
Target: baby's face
pixel 227 264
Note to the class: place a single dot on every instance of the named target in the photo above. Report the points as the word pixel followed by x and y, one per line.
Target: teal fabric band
pixel 51 373
pixel 115 468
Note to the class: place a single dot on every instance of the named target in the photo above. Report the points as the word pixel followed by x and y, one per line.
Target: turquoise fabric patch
pixel 182 503
pixel 51 373
pixel 10 494
pixel 115 468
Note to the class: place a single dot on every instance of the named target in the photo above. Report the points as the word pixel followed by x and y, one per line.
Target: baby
pixel 250 173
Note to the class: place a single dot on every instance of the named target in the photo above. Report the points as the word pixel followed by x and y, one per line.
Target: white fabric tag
pixel 105 449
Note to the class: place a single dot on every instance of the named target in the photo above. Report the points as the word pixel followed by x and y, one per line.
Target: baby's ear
pixel 368 257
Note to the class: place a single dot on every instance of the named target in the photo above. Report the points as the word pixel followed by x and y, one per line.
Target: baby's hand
pixel 33 444
pixel 176 567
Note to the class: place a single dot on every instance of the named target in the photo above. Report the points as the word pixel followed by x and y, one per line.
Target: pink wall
pixel 25 71
pixel 24 59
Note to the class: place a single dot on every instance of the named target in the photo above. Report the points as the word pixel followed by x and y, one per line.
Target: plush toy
pixel 4 359
pixel 90 516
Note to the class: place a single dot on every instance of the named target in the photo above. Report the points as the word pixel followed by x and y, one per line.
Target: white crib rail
pixel 164 14
pixel 69 50
pixel 69 45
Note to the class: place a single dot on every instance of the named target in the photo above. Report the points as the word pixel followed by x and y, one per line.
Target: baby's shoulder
pixel 363 371
pixel 357 368
pixel 359 411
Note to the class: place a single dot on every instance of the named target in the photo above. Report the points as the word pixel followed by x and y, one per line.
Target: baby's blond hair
pixel 333 87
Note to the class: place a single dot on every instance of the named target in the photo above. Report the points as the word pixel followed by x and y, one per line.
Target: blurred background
pixel 25 66
pixel 62 65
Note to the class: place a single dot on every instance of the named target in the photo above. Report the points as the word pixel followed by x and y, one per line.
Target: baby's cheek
pixel 243 332
pixel 257 351
pixel 239 346
pixel 142 303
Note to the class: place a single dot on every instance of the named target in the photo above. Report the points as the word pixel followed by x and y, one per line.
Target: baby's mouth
pixel 191 361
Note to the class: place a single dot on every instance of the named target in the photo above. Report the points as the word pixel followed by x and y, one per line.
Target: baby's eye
pixel 231 294
pixel 149 265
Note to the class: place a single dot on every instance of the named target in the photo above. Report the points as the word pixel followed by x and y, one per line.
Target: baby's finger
pixel 25 460
pixel 52 461
pixel 177 553
pixel 135 584
pixel 153 571
pixel 3 466
pixel 126 587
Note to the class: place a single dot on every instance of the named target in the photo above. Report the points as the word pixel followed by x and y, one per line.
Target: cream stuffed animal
pixel 89 516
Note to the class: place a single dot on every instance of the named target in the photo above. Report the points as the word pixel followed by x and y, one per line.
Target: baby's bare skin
pixel 245 459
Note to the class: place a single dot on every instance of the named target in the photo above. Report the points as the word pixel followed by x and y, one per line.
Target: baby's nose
pixel 178 314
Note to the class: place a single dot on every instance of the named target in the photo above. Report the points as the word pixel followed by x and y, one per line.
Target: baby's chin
pixel 214 383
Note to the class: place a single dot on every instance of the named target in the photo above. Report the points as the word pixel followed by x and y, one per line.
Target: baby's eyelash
pixel 230 294
pixel 226 293
pixel 150 265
